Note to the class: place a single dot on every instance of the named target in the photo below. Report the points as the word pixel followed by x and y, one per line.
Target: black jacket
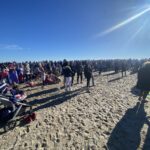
pixel 67 72
pixel 87 71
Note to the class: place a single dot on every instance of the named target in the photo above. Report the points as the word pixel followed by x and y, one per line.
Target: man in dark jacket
pixel 123 68
pixel 79 69
pixel 88 73
pixel 67 72
pixel 73 68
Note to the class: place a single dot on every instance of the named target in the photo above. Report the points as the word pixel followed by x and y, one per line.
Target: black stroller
pixel 11 108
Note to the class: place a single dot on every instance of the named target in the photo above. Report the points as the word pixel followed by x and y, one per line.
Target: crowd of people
pixel 12 74
pixel 49 71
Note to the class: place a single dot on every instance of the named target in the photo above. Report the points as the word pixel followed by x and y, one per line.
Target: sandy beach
pixel 109 117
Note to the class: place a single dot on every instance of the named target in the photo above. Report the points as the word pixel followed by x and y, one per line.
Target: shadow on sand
pixel 109 74
pixel 43 92
pixel 126 134
pixel 55 99
pixel 135 91
pixel 115 79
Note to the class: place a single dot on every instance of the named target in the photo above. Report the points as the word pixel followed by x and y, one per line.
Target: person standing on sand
pixel 27 71
pixel 116 66
pixel 73 68
pixel 88 74
pixel 67 72
pixel 20 72
pixel 100 68
pixel 79 69
pixel 43 74
pixel 92 76
pixel 123 68
pixel 143 82
pixel 13 76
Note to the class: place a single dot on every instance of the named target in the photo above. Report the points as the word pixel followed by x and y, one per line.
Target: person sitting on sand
pixel 143 82
pixel 15 90
pixel 51 79
pixel 54 78
pixel 17 94
pixel 4 74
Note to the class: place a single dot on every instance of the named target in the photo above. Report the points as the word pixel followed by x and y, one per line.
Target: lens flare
pixel 137 32
pixel 123 23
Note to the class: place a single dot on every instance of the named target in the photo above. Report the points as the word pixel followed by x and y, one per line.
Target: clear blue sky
pixel 74 29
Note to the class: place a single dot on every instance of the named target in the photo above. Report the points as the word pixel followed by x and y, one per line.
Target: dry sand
pixel 109 117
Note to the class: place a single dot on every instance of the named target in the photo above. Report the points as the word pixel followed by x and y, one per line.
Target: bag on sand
pixel 29 118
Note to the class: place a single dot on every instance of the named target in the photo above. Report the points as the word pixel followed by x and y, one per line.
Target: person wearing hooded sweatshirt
pixel 67 72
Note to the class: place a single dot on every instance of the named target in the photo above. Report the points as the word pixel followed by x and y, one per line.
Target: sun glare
pixel 125 22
